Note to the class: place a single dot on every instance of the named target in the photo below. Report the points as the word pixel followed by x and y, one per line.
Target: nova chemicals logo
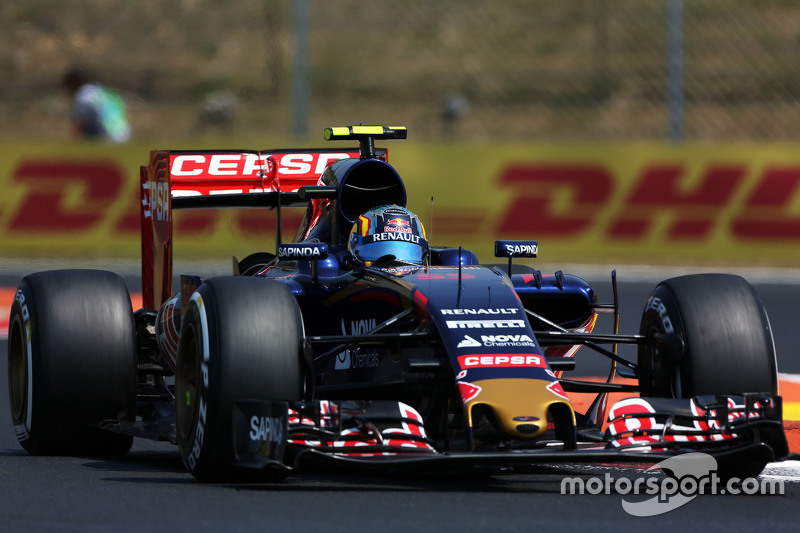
pixel 468 342
pixel 497 341
pixel 507 340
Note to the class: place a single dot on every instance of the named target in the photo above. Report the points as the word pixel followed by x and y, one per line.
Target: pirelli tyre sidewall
pixel 71 362
pixel 728 344
pixel 241 339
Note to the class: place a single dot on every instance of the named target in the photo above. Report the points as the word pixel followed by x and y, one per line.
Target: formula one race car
pixel 359 344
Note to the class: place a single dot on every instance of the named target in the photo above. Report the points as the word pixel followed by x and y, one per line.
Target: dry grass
pixel 570 70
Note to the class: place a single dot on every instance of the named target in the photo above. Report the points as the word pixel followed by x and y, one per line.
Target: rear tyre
pixel 254 263
pixel 728 345
pixel 71 362
pixel 241 339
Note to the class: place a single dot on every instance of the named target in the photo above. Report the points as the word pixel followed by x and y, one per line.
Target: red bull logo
pixel 397 222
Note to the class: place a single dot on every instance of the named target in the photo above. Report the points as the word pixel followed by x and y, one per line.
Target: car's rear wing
pixel 180 179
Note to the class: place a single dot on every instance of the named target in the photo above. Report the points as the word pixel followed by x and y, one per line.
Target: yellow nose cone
pixel 520 406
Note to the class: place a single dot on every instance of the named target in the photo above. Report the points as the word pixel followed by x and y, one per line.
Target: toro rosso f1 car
pixel 360 344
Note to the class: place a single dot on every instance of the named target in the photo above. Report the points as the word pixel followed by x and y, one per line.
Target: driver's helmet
pixel 388 235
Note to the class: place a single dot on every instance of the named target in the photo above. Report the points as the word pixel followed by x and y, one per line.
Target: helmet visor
pixel 402 251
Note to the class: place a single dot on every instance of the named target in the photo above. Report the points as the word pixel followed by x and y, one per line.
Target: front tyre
pixel 241 339
pixel 71 362
pixel 727 339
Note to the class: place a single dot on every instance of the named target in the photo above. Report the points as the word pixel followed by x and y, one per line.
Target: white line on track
pixel 792 378
pixel 787 471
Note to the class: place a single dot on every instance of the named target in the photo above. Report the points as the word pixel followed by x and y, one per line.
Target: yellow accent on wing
pixel 367 130
pixel 336 132
pixel 355 132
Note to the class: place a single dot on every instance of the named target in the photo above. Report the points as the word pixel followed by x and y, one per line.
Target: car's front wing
pixel 737 430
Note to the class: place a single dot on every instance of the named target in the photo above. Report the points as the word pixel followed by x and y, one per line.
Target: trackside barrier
pixel 655 203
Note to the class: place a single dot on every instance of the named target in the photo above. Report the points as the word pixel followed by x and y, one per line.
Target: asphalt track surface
pixel 148 490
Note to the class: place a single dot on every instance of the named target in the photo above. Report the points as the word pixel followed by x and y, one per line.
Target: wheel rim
pixel 17 369
pixel 186 383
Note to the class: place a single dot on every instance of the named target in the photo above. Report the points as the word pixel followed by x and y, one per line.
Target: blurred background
pixel 571 70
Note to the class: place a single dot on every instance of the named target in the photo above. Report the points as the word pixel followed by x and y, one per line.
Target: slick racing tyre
pixel 726 336
pixel 71 362
pixel 254 263
pixel 241 339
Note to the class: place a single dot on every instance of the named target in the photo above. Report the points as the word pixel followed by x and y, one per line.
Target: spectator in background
pixel 98 112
